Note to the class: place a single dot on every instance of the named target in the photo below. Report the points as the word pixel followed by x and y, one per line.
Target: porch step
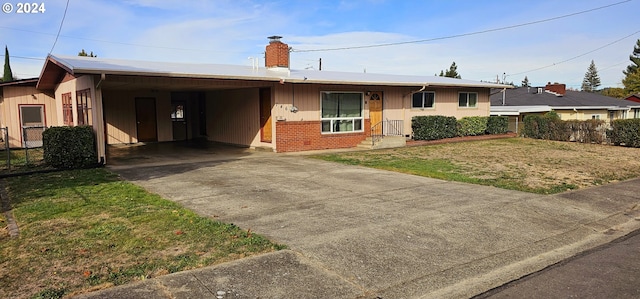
pixel 385 142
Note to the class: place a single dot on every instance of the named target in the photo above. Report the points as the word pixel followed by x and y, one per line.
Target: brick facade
pixel 293 136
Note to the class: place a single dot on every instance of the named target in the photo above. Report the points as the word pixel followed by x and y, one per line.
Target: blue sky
pixel 229 32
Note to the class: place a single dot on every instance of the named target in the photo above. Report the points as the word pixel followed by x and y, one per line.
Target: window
pixel 341 112
pixel 423 100
pixel 595 116
pixel 468 99
pixel 177 112
pixel 636 113
pixel 67 109
pixel 83 104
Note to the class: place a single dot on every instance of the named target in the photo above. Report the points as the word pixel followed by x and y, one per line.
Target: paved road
pixel 608 271
pixel 355 232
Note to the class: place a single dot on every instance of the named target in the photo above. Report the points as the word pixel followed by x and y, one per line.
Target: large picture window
pixel 341 112
pixel 423 100
pixel 468 99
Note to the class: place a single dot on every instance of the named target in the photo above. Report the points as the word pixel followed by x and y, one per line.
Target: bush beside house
pixel 625 132
pixel 439 127
pixel 69 147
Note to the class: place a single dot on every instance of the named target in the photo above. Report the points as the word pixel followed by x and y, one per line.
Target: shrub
pixel 625 132
pixel 69 147
pixel 472 125
pixel 586 131
pixel 548 127
pixel 497 124
pixel 434 127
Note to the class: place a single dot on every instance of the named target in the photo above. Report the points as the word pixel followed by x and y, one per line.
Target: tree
pixel 452 72
pixel 635 59
pixel 591 80
pixel 632 83
pixel 614 92
pixel 83 53
pixel 525 82
pixel 8 74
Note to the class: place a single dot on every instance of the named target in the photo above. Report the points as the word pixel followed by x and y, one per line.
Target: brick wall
pixel 294 136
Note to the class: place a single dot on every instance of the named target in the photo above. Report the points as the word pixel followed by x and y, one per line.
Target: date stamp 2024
pixel 24 8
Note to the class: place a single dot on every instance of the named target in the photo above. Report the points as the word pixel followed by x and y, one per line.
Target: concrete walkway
pixel 355 232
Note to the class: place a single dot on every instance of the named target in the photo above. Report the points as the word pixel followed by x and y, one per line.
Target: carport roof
pixel 56 66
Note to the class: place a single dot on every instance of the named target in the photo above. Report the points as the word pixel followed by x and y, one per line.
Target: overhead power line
pixel 60 28
pixel 575 57
pixel 463 34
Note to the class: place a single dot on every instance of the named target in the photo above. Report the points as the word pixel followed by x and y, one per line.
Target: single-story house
pixel 569 104
pixel 271 107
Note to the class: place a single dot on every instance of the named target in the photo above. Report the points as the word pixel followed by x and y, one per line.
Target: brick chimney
pixel 558 88
pixel 277 53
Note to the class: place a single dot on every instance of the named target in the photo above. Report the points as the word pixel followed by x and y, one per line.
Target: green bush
pixel 434 127
pixel 69 147
pixel 548 127
pixel 625 132
pixel 497 124
pixel 472 126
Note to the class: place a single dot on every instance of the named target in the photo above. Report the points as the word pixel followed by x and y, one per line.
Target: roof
pixel 21 82
pixel 525 99
pixel 55 67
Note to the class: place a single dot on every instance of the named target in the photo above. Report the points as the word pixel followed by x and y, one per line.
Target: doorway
pixel 146 121
pixel 179 120
pixel 32 125
pixel 265 115
pixel 375 112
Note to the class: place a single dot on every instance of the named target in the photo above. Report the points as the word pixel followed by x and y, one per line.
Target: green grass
pixel 537 166
pixel 86 229
pixel 21 160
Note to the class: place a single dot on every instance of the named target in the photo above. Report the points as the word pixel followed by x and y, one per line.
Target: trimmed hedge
pixel 497 124
pixel 587 131
pixel 434 127
pixel 472 126
pixel 625 132
pixel 69 147
pixel 548 127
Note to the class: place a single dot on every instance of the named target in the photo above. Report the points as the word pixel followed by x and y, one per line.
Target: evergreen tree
pixel 632 83
pixel 83 53
pixel 452 72
pixel 591 80
pixel 635 60
pixel 525 82
pixel 8 75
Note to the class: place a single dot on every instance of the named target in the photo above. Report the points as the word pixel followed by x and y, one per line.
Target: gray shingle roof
pixel 523 96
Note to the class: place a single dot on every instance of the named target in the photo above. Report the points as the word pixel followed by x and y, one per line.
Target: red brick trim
pixel 294 136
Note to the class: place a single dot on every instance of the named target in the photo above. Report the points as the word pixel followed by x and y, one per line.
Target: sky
pixel 544 40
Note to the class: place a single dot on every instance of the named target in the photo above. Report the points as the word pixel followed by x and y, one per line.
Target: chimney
pixel 276 53
pixel 557 88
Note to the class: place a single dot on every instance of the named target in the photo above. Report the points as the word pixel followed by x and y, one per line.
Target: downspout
pixel 504 95
pixel 103 77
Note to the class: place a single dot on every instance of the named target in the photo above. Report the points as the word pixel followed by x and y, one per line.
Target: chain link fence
pixel 26 158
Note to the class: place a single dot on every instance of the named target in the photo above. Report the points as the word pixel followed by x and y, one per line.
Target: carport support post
pixel 98 124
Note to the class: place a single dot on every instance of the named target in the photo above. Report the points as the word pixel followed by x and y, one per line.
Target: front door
pixel 375 112
pixel 265 115
pixel 32 121
pixel 179 120
pixel 146 119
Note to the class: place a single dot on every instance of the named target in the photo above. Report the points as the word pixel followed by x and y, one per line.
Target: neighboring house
pixel 22 107
pixel 273 107
pixel 634 98
pixel 519 102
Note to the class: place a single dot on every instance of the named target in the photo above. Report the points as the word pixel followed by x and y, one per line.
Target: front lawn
pixel 86 229
pixel 524 164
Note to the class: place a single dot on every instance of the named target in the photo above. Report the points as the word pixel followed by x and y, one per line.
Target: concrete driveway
pixel 366 233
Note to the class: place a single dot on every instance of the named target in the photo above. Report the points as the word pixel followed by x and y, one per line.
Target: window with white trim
pixel 595 116
pixel 341 112
pixel 425 99
pixel 468 99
